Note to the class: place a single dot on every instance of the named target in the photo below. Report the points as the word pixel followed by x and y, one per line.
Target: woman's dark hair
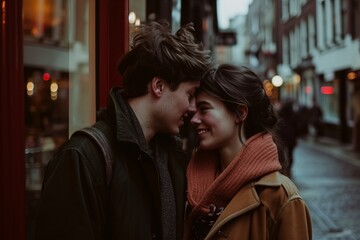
pixel 156 52
pixel 238 86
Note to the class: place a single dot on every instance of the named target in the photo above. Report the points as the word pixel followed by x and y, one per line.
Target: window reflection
pixel 59 77
pixel 46 20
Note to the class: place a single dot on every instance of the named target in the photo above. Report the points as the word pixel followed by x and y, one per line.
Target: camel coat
pixel 269 209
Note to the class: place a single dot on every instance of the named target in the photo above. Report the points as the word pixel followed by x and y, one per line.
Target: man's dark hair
pixel 156 52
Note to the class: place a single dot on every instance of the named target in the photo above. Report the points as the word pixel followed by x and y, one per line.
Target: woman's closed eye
pixel 203 107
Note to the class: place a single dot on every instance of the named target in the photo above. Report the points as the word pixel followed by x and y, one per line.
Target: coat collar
pixel 127 127
pixel 245 200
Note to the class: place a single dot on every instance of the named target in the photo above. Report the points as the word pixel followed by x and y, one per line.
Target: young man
pixel 146 196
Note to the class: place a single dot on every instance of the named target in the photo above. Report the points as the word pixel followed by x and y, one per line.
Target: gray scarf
pixel 168 207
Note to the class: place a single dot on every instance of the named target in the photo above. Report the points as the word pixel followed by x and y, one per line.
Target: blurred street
pixel 328 177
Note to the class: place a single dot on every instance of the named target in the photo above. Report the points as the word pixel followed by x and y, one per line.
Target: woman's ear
pixel 241 113
pixel 157 86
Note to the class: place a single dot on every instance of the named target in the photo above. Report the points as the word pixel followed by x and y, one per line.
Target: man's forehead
pixel 190 84
pixel 195 83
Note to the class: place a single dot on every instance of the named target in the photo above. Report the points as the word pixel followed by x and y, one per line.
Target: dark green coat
pixel 76 203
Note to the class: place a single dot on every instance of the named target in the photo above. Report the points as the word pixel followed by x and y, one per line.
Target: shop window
pixel 59 60
pixel 46 21
pixel 353 87
pixel 330 100
pixel 137 16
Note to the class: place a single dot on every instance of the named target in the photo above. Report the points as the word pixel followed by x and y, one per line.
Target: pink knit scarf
pixel 258 157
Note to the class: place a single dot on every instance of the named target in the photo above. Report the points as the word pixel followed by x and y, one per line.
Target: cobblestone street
pixel 328 177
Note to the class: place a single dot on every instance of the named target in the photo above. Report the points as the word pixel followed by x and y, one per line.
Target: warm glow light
pixel 351 75
pixel 277 81
pixel 269 86
pixel 53 96
pixel 54 87
pixel 3 10
pixel 297 78
pixel 132 18
pixel 307 89
pixel 30 88
pixel 35 32
pixel 137 22
pixel 327 90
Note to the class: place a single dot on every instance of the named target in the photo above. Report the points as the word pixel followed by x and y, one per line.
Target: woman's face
pixel 216 126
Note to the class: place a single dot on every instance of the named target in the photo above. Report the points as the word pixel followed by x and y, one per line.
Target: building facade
pixel 337 60
pixel 320 45
pixel 314 46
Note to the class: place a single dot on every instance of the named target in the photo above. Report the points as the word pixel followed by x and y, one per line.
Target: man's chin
pixel 173 131
pixel 176 131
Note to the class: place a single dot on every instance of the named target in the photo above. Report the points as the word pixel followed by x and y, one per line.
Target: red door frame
pixel 112 42
pixel 12 121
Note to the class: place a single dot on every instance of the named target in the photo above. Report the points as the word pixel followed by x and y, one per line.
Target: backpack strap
pixel 103 143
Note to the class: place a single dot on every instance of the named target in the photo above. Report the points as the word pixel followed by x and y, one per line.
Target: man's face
pixel 175 106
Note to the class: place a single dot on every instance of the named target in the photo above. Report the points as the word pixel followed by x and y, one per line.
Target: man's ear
pixel 157 86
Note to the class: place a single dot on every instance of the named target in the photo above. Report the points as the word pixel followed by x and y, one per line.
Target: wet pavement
pixel 328 177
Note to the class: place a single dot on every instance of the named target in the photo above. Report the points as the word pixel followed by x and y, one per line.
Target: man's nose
pixel 192 106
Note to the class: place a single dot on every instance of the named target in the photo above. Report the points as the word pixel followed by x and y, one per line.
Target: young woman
pixel 235 188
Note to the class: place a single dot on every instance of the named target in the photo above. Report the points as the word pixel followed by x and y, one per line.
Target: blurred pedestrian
pixel 303 116
pixel 235 189
pixel 146 196
pixel 316 118
pixel 288 131
pixel 356 113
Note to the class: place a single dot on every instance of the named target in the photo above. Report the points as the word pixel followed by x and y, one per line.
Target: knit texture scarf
pixel 206 187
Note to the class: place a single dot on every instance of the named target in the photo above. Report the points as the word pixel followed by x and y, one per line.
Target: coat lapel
pixel 244 201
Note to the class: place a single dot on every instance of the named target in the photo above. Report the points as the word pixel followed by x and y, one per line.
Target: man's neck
pixel 142 110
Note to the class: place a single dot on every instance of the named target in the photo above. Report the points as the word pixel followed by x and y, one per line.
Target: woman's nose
pixel 195 120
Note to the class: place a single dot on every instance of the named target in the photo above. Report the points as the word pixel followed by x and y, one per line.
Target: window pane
pixel 330 101
pixel 60 84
